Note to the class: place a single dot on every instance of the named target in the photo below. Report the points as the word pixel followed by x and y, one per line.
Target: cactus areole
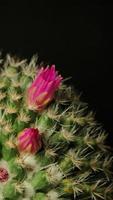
pixel 51 147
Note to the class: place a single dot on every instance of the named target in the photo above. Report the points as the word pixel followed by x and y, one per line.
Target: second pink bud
pixel 29 141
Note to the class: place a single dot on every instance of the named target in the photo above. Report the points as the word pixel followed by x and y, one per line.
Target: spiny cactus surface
pixel 51 147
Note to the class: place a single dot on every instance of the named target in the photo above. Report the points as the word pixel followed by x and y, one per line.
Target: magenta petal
pixel 39 87
pixel 53 73
pixel 46 72
pixel 57 82
pixel 40 73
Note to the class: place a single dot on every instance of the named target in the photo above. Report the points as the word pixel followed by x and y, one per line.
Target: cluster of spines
pixel 74 158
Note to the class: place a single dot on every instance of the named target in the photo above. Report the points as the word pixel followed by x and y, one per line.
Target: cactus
pixel 51 146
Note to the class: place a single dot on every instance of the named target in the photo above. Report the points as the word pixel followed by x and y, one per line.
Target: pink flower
pixel 43 88
pixel 29 141
pixel 3 174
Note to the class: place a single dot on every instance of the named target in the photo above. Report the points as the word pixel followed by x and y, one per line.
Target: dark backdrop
pixel 76 36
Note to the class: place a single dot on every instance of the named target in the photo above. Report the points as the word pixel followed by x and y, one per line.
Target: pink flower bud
pixel 43 88
pixel 3 175
pixel 29 141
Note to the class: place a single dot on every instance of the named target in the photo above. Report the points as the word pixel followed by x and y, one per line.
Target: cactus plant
pixel 51 146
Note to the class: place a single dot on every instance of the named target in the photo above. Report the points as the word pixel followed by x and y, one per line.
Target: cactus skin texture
pixel 68 157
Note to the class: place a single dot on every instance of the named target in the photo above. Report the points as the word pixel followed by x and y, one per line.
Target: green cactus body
pixel 8 152
pixel 40 196
pixel 39 181
pixel 45 123
pixel 44 159
pixel 51 147
pixel 66 164
pixel 3 138
pixel 16 169
pixel 10 192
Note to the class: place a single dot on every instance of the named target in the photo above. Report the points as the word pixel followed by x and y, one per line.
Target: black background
pixel 74 35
